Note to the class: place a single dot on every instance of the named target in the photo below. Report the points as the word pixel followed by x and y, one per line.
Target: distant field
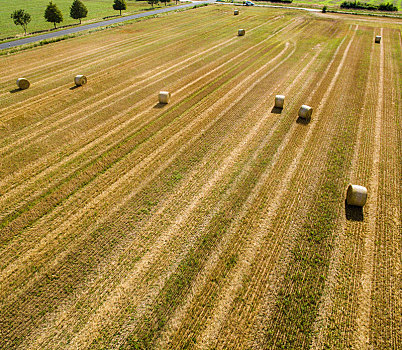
pixel 215 221
pixel 97 9
pixel 330 3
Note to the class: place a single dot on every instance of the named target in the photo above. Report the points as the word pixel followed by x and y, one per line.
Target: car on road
pixel 248 3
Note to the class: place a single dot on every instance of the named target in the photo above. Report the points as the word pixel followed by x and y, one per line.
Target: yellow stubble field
pixel 215 221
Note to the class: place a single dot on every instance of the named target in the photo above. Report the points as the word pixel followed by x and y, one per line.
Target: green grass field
pixel 97 9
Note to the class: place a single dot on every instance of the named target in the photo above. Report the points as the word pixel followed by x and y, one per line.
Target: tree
pixel 165 1
pixel 78 10
pixel 53 14
pixel 21 18
pixel 152 2
pixel 119 5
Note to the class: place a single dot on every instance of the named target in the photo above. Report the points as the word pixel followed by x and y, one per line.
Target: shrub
pixel 366 6
pixel 387 7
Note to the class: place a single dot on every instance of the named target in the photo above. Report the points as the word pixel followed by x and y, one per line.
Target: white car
pixel 248 3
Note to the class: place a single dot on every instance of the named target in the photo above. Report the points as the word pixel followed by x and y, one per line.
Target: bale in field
pixel 236 12
pixel 80 80
pixel 279 101
pixel 305 112
pixel 164 97
pixel 241 32
pixel 23 83
pixel 356 195
pixel 378 38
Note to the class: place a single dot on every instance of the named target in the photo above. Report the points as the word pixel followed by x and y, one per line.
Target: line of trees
pixel 53 15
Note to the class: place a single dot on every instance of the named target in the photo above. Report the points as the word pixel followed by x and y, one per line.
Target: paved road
pixel 91 26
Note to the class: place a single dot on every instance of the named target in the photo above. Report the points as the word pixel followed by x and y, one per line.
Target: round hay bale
pixel 23 83
pixel 236 12
pixel 80 80
pixel 241 32
pixel 305 112
pixel 378 38
pixel 279 101
pixel 356 195
pixel 164 97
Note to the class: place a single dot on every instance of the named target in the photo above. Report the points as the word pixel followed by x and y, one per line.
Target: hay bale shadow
pixel 160 105
pixel 276 110
pixel 302 121
pixel 15 90
pixel 74 87
pixel 353 213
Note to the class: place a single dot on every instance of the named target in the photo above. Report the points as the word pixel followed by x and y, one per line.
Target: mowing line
pixel 386 315
pixel 362 333
pixel 183 190
pixel 320 327
pixel 147 160
pixel 236 281
pixel 140 267
pixel 181 21
pixel 88 53
pixel 104 72
pixel 278 272
pixel 149 75
pixel 61 89
pixel 215 210
pixel 133 172
pixel 46 159
pixel 198 284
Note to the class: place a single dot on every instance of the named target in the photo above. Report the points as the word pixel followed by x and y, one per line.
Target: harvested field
pixel 215 221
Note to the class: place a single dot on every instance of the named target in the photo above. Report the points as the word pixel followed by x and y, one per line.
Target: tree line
pixel 53 15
